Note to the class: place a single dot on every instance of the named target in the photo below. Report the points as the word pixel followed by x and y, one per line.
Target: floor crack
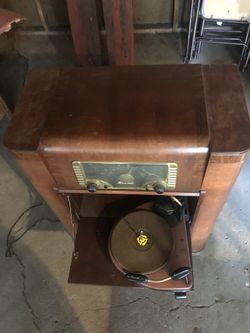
pixel 207 306
pixel 163 307
pixel 24 292
pixel 100 309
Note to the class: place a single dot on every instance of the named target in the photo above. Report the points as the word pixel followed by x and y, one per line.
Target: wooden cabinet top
pixel 165 107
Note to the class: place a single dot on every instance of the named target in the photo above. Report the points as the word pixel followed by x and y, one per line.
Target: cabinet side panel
pixel 220 176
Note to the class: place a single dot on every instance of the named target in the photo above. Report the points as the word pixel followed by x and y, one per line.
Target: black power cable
pixel 10 243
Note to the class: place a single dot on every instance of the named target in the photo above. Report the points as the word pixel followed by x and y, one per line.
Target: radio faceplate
pixel 126 176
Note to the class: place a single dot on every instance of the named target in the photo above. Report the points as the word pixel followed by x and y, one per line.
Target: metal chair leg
pixel 186 58
pixel 201 34
pixel 191 54
pixel 244 49
pixel 247 60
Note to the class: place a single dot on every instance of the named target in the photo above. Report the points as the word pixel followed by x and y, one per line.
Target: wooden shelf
pixel 127 192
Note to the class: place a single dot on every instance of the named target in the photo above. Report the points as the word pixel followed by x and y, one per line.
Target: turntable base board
pixel 93 264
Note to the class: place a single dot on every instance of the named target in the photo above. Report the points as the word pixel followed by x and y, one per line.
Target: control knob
pixel 159 188
pixel 92 187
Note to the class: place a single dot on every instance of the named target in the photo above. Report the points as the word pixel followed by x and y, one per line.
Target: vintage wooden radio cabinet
pixel 130 159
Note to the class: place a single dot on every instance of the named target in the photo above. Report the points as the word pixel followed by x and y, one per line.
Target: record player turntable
pixel 144 246
pixel 135 161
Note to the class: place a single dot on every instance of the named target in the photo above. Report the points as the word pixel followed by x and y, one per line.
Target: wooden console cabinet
pixel 192 115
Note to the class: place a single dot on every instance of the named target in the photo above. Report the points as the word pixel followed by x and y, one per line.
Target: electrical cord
pixel 9 243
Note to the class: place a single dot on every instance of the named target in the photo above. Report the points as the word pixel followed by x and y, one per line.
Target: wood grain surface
pixel 85 31
pixel 118 17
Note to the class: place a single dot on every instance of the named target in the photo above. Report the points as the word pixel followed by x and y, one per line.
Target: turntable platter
pixel 141 242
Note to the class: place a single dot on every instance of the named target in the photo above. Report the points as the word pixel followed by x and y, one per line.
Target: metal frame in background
pixel 202 29
pixel 247 57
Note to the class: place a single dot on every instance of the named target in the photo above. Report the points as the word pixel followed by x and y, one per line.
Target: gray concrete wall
pixel 145 11
pixel 153 11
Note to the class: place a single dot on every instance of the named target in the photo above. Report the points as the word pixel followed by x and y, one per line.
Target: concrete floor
pixel 34 293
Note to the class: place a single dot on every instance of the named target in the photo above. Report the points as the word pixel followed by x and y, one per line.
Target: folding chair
pixel 219 22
